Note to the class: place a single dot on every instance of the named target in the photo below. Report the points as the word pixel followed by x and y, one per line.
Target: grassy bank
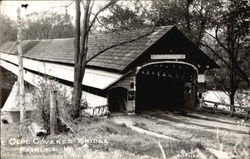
pixel 99 138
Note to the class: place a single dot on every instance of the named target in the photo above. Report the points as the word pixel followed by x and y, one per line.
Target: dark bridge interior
pixel 162 86
pixel 117 99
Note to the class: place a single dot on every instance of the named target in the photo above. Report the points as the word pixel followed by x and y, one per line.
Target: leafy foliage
pixel 122 18
pixel 193 17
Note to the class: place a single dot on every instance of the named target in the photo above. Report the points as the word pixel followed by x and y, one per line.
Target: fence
pixel 100 110
pixel 96 111
pixel 232 109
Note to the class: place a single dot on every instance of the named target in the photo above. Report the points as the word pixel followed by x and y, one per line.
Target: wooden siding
pixel 125 82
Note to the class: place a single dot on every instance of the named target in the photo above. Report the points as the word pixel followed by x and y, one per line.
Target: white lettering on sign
pixel 201 78
pixel 168 56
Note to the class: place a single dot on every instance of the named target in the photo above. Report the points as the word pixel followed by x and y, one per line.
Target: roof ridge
pixel 136 29
pixel 110 33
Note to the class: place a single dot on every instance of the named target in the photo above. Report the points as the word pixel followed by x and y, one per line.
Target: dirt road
pixel 214 131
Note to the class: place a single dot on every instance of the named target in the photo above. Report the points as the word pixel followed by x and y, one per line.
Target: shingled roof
pixel 116 58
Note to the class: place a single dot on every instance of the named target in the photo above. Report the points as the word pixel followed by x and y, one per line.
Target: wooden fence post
pixel 247 113
pixel 232 109
pixel 215 107
pixel 53 113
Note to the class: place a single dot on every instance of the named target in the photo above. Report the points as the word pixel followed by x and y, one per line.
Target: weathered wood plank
pixel 53 113
pixel 37 130
pixel 67 124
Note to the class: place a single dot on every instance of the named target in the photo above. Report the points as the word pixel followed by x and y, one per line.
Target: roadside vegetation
pixel 41 100
pixel 116 138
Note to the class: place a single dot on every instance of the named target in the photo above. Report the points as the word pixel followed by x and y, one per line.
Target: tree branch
pixel 84 42
pixel 237 70
pixel 112 2
pixel 215 53
pixel 97 19
pixel 144 8
pixel 217 39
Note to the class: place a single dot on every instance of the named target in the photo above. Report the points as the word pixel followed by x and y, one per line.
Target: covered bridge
pixel 143 70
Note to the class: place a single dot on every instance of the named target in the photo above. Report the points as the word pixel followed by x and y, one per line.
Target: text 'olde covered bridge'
pixel 161 70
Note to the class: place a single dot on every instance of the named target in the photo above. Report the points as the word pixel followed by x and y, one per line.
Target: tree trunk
pixel 187 16
pixel 233 86
pixel 77 87
pixel 77 91
pixel 232 95
pixel 81 50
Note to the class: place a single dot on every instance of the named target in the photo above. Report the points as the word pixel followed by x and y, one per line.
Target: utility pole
pixel 20 74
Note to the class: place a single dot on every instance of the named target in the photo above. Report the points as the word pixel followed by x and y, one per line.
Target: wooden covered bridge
pixel 162 70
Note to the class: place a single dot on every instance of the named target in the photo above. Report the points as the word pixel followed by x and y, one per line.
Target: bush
pixel 41 99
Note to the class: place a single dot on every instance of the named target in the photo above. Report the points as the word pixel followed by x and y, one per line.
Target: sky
pixel 9 7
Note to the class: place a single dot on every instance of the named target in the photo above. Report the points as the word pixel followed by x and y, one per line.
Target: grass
pixel 121 142
pixel 123 138
pixel 107 139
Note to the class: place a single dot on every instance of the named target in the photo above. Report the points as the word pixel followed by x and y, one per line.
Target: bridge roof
pixel 118 58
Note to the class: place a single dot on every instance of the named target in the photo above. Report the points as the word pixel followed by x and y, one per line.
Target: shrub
pixel 41 99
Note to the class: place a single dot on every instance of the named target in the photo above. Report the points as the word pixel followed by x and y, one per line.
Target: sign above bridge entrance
pixel 168 56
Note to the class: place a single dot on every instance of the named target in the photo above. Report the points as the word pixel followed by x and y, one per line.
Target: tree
pixel 81 46
pixel 47 25
pixel 62 27
pixel 42 25
pixel 122 18
pixel 8 29
pixel 38 25
pixel 231 45
pixel 193 17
